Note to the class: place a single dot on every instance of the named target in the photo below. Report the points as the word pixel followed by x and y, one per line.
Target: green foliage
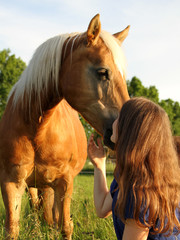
pixel 87 127
pixel 152 94
pixel 173 111
pixel 136 89
pixel 10 70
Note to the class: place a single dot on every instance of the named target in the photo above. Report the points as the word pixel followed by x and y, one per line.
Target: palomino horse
pixel 43 143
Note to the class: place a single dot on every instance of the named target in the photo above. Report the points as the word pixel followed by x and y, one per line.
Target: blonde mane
pixel 34 77
pixel 46 62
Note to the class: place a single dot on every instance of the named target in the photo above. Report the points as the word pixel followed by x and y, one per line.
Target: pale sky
pixel 152 48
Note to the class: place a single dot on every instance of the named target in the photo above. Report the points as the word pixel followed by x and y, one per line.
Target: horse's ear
pixel 123 34
pixel 93 31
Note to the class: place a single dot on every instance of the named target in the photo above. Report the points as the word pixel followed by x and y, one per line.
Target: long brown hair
pixel 147 165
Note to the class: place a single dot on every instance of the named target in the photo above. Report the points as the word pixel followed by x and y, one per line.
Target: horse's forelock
pixel 112 43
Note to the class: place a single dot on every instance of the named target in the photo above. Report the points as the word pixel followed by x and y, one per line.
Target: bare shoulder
pixel 133 230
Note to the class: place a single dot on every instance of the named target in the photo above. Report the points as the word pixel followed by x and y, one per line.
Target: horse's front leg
pixel 47 195
pixel 34 197
pixel 63 195
pixel 12 194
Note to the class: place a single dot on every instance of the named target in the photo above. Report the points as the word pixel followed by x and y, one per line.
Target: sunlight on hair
pixel 48 56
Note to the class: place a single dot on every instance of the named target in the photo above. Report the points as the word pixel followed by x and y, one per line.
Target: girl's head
pixel 147 161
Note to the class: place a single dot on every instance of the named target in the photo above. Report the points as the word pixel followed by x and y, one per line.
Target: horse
pixel 43 143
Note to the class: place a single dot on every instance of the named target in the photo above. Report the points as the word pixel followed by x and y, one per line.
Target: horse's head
pixel 93 76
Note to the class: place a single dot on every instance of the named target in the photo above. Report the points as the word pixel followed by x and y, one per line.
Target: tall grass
pixel 87 226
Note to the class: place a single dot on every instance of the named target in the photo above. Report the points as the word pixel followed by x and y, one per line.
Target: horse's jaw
pixel 107 139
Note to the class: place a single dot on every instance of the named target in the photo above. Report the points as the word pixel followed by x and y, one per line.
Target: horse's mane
pixel 46 62
pixel 44 65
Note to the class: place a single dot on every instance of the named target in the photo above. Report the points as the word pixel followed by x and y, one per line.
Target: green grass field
pixel 86 224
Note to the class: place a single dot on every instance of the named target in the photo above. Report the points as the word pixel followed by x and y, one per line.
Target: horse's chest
pixel 46 175
pixel 49 166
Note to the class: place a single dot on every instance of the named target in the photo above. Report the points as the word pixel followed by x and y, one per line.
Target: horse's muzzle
pixel 107 139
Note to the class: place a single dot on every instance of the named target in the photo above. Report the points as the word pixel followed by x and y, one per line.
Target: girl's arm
pixel 102 196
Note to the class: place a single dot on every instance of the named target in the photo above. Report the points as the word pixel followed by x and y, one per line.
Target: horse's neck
pixel 29 117
pixel 37 109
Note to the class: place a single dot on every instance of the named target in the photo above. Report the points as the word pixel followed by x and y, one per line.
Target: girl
pixel 145 193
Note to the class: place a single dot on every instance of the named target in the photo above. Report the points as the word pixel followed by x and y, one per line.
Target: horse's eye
pixel 103 74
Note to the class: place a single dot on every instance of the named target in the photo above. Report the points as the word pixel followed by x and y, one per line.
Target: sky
pixel 152 48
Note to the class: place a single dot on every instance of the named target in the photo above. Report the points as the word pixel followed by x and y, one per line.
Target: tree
pixel 136 89
pixel 10 70
pixel 152 94
pixel 173 111
pixel 168 107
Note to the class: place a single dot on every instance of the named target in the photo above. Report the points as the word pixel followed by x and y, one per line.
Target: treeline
pixel 12 67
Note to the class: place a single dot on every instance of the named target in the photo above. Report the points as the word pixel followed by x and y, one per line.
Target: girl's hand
pixel 96 153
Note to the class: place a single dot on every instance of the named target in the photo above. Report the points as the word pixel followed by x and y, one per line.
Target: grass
pixel 88 167
pixel 87 226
